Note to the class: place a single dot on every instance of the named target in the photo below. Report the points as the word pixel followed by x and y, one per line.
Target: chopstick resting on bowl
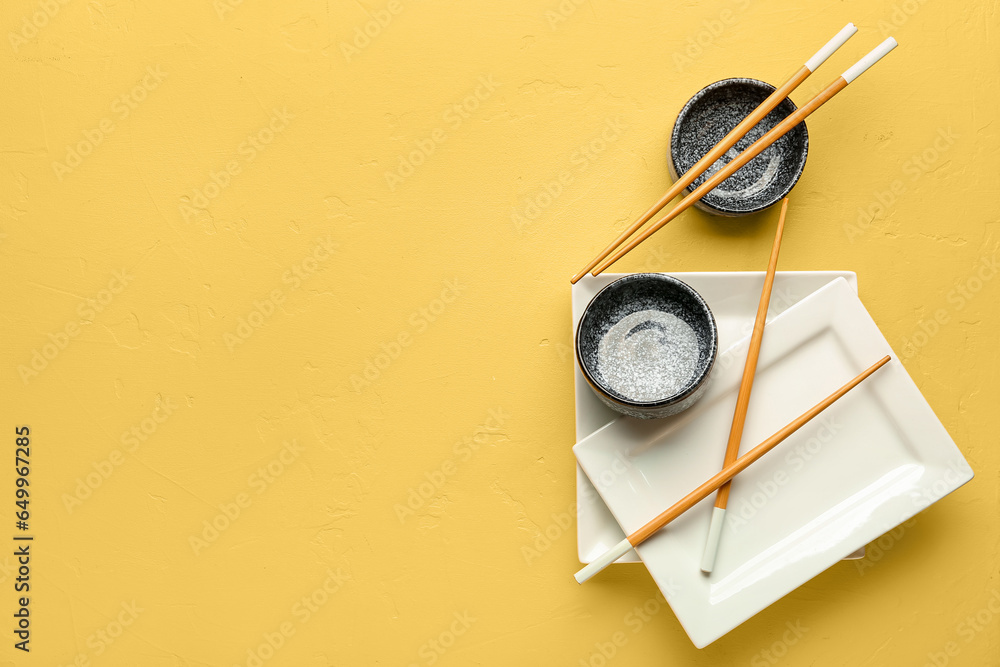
pixel 757 147
pixel 737 133
pixel 727 473
pixel 743 398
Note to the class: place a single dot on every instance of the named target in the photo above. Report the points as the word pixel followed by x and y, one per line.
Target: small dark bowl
pixel 692 343
pixel 708 117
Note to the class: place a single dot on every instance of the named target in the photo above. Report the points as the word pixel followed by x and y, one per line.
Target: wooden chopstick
pixel 728 141
pixel 727 473
pixel 743 398
pixel 757 148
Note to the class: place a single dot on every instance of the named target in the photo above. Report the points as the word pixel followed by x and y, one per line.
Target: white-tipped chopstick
pixel 727 473
pixel 743 398
pixel 757 147
pixel 737 133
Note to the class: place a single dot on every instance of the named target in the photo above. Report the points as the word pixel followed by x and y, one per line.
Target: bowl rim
pixel 685 110
pixel 693 385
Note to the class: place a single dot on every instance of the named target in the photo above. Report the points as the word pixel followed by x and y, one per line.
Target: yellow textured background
pixel 498 342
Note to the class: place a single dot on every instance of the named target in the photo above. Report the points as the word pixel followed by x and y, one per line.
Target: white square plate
pixel 733 298
pixel 869 462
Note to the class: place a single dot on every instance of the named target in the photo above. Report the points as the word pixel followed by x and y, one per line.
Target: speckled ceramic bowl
pixel 646 344
pixel 711 114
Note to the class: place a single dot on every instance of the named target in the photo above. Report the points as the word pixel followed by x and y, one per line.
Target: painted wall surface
pixel 287 315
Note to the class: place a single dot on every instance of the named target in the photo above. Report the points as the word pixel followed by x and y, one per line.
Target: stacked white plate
pixel 869 462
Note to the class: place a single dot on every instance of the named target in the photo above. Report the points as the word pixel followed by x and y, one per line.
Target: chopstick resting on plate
pixel 757 147
pixel 729 140
pixel 743 398
pixel 727 473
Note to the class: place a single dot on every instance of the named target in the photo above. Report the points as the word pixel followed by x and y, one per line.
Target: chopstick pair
pixel 715 482
pixel 600 263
